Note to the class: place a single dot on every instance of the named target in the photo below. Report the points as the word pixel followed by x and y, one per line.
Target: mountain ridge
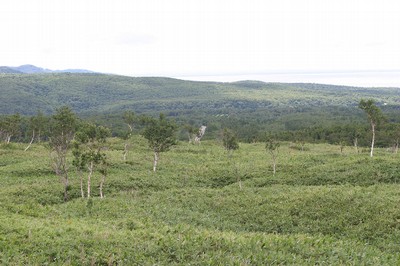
pixel 32 69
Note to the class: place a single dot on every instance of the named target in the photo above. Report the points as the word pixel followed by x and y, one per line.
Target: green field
pixel 204 208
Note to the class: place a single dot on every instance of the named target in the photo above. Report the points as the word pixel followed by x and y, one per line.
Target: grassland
pixel 204 208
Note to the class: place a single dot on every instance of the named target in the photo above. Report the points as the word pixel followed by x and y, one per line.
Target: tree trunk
pixel 356 144
pixel 82 192
pixel 130 127
pixel 91 166
pixel 8 138
pixel 373 139
pixel 274 165
pixel 103 178
pixel 156 156
pixel 38 137
pixel 30 143
pixel 65 187
pixel 125 151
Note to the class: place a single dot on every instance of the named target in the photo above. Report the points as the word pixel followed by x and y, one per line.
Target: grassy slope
pixel 322 207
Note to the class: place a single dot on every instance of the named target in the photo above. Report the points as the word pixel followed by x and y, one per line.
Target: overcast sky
pixel 202 37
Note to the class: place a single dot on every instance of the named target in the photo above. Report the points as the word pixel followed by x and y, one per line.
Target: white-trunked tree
pixel 62 130
pixel 88 153
pixel 375 116
pixel 160 134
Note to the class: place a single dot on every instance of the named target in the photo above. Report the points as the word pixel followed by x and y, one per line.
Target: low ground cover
pixel 203 207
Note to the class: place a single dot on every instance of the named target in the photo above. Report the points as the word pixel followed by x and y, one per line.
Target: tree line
pixel 65 132
pixel 36 128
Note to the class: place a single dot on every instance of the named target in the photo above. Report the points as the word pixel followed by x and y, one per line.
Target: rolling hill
pixel 110 93
pixel 244 104
pixel 9 70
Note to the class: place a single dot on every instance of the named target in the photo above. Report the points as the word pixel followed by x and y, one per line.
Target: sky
pixel 204 39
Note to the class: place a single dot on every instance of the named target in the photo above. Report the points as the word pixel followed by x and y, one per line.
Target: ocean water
pixel 357 79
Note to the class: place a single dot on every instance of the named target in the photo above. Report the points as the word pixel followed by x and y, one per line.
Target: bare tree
pixel 200 134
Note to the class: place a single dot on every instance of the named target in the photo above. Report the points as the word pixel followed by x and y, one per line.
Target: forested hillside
pixel 249 107
pixel 110 93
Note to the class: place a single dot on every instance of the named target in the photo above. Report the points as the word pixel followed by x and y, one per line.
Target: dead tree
pixel 200 134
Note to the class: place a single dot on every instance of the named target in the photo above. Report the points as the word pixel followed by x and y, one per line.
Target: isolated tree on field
pixel 88 153
pixel 160 134
pixel 272 147
pixel 229 140
pixel 62 131
pixel 10 127
pixel 130 120
pixel 200 134
pixel 375 116
pixel 37 125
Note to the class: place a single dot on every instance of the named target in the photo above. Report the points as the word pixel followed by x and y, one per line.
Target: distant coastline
pixel 357 79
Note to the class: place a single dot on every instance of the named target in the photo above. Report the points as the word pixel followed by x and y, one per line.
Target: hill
pixel 31 69
pixel 110 93
pixel 9 70
pixel 247 106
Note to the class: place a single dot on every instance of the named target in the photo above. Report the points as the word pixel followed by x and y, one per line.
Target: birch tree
pixel 130 120
pixel 272 147
pixel 192 132
pixel 229 140
pixel 396 137
pixel 88 153
pixel 62 131
pixel 10 127
pixel 374 115
pixel 37 125
pixel 160 135
pixel 355 136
